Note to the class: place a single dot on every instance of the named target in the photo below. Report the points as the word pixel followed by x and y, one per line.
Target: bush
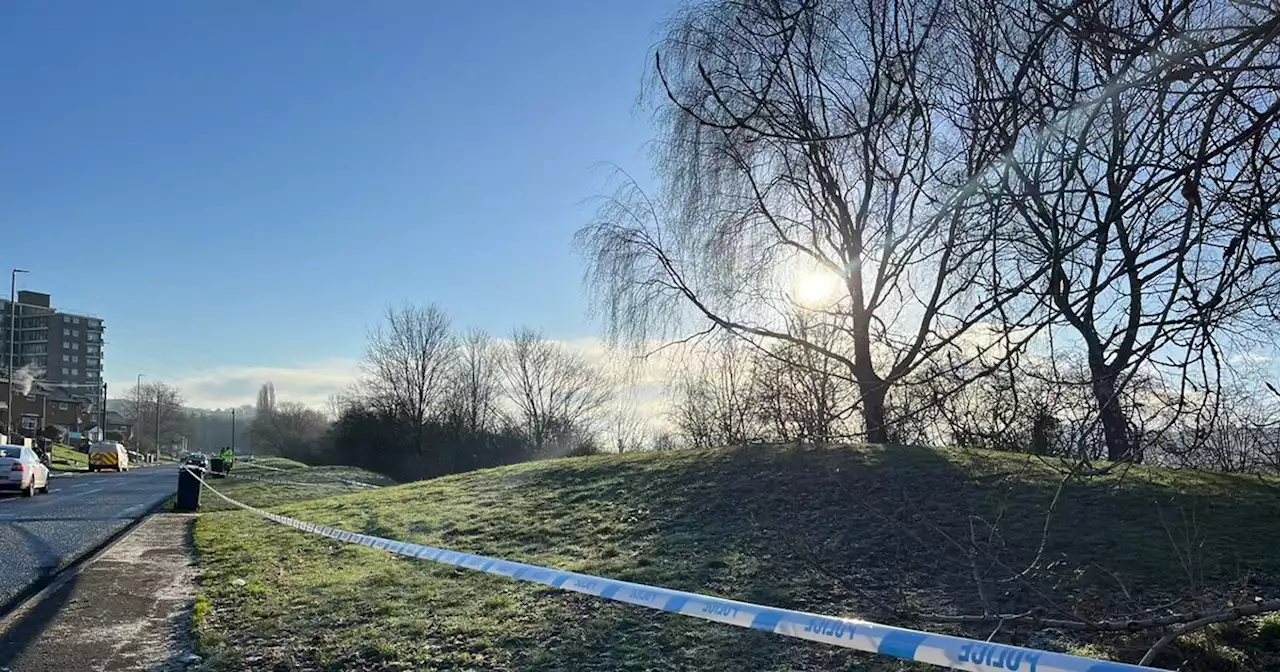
pixel 379 441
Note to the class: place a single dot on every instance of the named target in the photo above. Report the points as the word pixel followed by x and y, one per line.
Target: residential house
pixel 43 405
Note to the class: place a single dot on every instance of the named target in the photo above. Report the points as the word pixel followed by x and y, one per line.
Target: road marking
pixel 85 492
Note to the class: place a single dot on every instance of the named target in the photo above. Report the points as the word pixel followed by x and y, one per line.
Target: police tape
pixel 959 653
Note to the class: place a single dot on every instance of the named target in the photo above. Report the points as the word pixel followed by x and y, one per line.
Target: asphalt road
pixel 42 534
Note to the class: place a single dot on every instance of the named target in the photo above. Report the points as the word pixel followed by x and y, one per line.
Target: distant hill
pixel 246 412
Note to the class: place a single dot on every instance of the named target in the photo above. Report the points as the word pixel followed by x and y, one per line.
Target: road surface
pixel 42 534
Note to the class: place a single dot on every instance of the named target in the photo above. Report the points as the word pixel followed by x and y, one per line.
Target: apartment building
pixel 66 347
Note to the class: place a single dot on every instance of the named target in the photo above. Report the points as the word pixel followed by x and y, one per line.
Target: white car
pixel 22 470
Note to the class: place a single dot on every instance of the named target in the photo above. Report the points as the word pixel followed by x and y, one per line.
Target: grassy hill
pixel 68 457
pixel 905 536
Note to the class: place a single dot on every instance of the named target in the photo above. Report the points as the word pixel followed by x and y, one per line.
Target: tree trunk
pixel 873 410
pixel 1114 425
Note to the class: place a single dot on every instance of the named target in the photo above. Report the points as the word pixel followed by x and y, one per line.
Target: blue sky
pixel 241 187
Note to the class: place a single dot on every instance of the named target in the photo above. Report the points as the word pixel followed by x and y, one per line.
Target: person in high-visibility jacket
pixel 228 457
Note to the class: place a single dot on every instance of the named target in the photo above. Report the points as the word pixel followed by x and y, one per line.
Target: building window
pixel 66 371
pixel 66 331
pixel 66 358
pixel 75 333
pixel 75 372
pixel 91 361
pixel 31 397
pixel 75 346
pixel 75 359
pixel 62 406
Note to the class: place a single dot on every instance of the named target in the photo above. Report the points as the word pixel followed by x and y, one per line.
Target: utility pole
pixel 157 423
pixel 233 431
pixel 13 320
pixel 137 413
pixel 102 413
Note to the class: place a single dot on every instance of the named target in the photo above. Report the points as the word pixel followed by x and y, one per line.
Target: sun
pixel 815 289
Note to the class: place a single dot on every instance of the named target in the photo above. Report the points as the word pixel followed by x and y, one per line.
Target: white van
pixel 108 455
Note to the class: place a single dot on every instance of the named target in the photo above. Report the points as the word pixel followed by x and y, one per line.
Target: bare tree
pixel 1122 192
pixel 156 409
pixel 627 430
pixel 800 394
pixel 557 394
pixel 475 382
pixel 408 364
pixel 714 405
pixel 809 136
pixel 266 399
pixel 290 430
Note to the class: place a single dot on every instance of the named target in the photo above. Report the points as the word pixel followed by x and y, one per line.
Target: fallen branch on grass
pixel 1181 620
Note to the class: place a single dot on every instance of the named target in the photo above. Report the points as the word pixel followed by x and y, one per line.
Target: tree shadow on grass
pixel 885 533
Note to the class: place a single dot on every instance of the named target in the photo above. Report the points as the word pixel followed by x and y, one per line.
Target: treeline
pixel 158 411
pixel 431 401
pixel 1045 226
pixel 735 393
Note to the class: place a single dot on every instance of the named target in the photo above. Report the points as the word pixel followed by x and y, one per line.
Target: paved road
pixel 42 534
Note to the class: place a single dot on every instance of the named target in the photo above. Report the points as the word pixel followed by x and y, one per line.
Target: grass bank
pixel 293 485
pixel 68 457
pixel 885 534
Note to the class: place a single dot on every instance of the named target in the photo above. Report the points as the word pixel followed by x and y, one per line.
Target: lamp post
pixel 137 411
pixel 13 321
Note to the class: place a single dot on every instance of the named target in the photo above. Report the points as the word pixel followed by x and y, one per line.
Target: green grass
pixel 276 462
pixel 844 531
pixel 265 495
pixel 67 457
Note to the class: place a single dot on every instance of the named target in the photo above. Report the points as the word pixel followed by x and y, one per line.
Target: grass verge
pixel 270 463
pixel 68 457
pixel 843 531
pixel 305 483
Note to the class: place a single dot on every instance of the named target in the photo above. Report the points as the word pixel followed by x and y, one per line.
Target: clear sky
pixel 239 188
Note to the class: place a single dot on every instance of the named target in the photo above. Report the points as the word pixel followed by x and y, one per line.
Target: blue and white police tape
pixel 958 653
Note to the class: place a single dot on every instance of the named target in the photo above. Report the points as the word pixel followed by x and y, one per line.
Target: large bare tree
pixel 810 137
pixel 1132 191
pixel 476 387
pixel 556 392
pixel 408 364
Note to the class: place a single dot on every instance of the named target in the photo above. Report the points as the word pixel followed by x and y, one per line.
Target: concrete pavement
pixel 128 608
pixel 43 534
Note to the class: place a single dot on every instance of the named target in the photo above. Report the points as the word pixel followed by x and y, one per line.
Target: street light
pixel 13 314
pixel 137 412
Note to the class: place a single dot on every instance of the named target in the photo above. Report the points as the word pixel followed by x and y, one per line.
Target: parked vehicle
pixel 22 470
pixel 197 460
pixel 108 455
